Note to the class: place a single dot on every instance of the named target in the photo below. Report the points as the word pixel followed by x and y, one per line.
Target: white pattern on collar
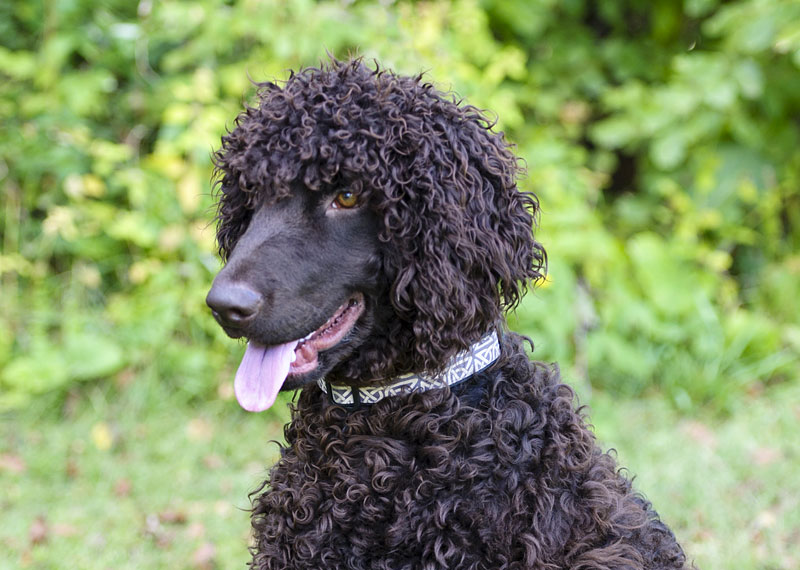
pixel 466 363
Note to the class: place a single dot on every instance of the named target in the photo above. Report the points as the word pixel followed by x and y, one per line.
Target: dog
pixel 374 236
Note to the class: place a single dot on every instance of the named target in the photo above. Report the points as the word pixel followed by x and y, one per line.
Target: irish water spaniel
pixel 374 235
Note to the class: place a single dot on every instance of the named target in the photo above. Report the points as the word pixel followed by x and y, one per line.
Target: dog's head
pixel 371 226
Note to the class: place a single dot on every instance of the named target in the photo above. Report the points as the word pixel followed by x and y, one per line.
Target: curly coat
pixel 500 471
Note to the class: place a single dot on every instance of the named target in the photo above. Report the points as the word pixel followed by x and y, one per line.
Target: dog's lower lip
pixel 327 336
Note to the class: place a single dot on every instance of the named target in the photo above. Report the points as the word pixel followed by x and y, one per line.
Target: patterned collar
pixel 463 365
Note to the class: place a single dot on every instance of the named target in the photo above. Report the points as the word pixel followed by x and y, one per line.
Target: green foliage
pixel 661 138
pixel 679 184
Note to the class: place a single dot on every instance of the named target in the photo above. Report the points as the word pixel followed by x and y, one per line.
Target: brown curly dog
pixel 374 235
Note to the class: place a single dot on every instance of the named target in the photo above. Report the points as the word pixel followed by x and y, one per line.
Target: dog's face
pixel 301 285
pixel 372 226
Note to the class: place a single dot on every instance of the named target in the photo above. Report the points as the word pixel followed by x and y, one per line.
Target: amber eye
pixel 345 199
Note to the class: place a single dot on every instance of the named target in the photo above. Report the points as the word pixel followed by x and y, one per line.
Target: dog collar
pixel 466 363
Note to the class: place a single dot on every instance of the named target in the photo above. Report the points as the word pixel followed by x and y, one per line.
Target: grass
pixel 123 481
pixel 728 487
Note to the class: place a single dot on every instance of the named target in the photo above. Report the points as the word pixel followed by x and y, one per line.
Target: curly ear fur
pixel 459 247
pixel 462 248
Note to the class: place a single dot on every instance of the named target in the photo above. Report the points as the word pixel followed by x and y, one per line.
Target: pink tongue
pixel 261 374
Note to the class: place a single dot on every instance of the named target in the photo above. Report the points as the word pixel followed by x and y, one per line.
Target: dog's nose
pixel 233 304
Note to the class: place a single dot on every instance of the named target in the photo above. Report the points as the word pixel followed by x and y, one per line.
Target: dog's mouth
pixel 264 368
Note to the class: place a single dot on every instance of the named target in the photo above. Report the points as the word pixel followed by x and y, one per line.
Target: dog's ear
pixel 459 234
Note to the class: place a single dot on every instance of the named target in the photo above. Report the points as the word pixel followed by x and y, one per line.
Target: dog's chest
pixel 438 489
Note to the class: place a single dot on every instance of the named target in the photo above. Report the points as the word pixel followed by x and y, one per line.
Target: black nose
pixel 232 303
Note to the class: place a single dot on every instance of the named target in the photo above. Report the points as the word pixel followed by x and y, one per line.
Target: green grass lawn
pixel 136 482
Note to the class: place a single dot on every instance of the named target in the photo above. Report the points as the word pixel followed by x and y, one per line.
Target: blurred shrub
pixel 662 139
pixel 671 201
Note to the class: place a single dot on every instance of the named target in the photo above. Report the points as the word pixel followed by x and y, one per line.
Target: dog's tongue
pixel 261 374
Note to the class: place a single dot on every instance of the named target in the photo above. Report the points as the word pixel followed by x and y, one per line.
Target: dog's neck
pixel 462 366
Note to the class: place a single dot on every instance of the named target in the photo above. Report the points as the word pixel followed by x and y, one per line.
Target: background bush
pixel 663 139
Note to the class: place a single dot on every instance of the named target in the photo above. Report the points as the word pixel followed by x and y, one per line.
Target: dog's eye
pixel 345 199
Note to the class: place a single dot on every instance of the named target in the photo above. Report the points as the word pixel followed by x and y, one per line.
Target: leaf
pixel 17 64
pixel 750 78
pixel 756 34
pixel 667 278
pixel 668 151
pixel 189 192
pixel 89 356
pixel 134 227
pixel 614 132
pixel 36 373
pixel 720 95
